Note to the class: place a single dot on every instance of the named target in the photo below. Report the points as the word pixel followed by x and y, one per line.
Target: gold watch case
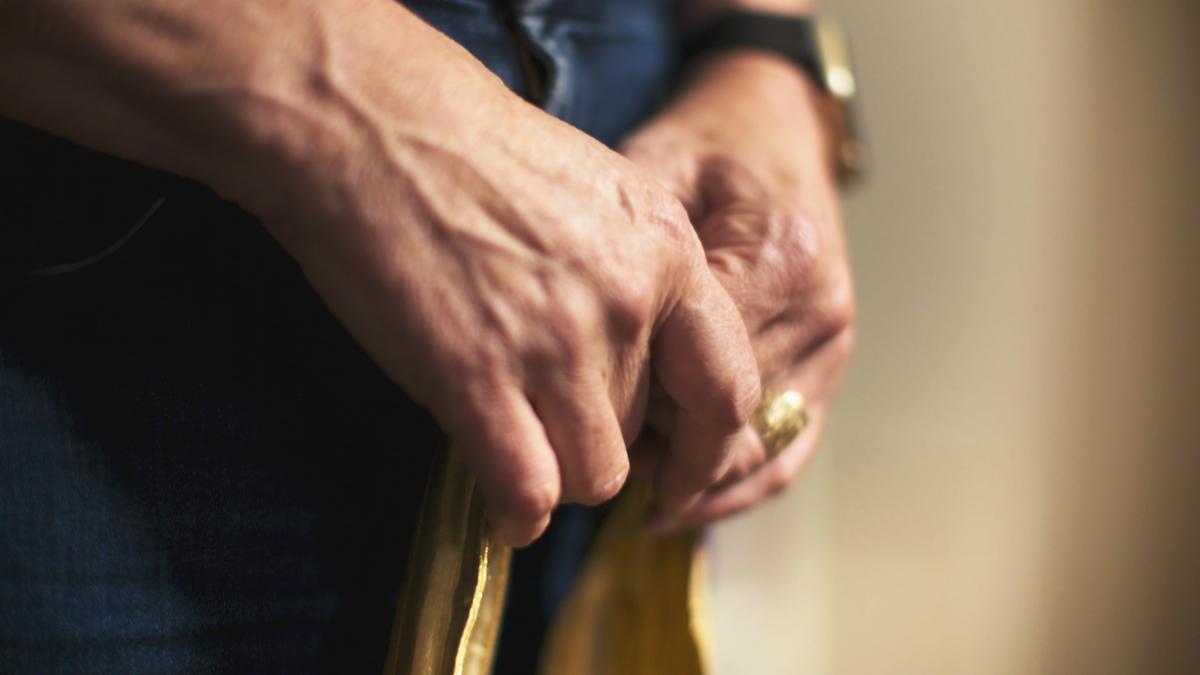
pixel 838 78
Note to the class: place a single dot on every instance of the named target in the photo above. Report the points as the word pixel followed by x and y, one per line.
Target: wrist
pixel 763 94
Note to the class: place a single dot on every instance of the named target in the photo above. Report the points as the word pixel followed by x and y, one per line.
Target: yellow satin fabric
pixel 448 617
pixel 637 607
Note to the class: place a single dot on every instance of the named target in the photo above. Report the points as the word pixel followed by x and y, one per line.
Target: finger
pixel 780 344
pixel 819 370
pixel 704 362
pixel 504 445
pixel 586 436
pixel 799 332
pixel 767 480
pixel 818 373
pixel 647 453
pixel 749 453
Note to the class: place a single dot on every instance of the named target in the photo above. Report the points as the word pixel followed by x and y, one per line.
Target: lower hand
pixel 746 150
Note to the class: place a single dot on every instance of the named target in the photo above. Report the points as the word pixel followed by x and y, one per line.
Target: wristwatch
pixel 817 45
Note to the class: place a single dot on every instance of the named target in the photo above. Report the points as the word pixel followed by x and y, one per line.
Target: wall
pixel 1010 482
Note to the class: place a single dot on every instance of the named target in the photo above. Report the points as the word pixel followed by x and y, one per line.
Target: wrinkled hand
pixel 746 150
pixel 522 281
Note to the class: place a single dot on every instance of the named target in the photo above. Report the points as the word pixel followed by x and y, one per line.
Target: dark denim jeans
pixel 199 470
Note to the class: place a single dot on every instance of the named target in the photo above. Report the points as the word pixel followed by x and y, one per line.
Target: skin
pixel 746 146
pixel 509 272
pixel 521 280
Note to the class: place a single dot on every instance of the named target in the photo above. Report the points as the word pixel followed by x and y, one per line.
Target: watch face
pixel 835 59
pixel 838 75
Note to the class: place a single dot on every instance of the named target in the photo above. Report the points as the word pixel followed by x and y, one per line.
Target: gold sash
pixel 637 606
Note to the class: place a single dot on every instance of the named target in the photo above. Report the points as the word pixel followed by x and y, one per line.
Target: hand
pixel 519 279
pixel 502 267
pixel 745 149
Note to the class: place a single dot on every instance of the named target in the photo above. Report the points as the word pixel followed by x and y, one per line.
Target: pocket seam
pixel 75 266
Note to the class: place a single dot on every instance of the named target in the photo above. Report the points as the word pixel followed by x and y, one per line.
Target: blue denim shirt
pixel 199 470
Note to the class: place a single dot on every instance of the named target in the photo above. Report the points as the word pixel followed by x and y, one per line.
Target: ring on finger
pixel 779 419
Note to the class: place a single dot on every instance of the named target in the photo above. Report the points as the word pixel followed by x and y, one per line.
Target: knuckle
pixel 602 486
pixel 574 327
pixel 838 307
pixel 671 221
pixel 799 245
pixel 748 455
pixel 841 314
pixel 465 394
pixel 631 306
pixel 477 390
pixel 833 328
pixel 735 408
pixel 466 361
pixel 529 501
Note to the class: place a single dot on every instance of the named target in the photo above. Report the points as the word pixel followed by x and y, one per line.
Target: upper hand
pixel 502 267
pixel 746 150
pixel 521 280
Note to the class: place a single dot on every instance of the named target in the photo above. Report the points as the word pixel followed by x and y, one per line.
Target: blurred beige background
pixel 1012 481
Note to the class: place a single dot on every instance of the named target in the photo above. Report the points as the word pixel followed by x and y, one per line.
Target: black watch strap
pixel 792 37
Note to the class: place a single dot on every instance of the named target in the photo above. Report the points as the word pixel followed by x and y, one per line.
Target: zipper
pixel 534 69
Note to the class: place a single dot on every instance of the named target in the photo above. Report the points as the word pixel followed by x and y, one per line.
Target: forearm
pixel 765 83
pixel 231 93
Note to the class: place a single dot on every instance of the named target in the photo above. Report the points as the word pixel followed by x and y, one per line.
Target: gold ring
pixel 779 419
